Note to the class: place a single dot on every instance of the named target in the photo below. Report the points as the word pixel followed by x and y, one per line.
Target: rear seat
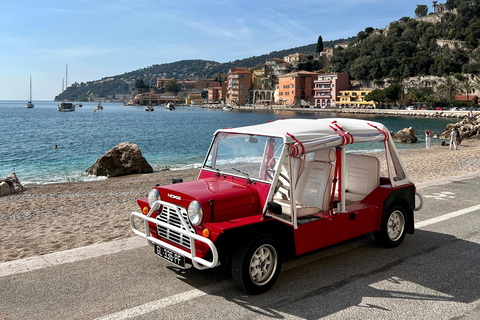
pixel 362 176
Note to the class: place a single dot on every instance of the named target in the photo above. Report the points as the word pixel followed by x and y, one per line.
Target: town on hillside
pixel 414 76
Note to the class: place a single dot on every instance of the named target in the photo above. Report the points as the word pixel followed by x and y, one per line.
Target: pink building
pixel 326 88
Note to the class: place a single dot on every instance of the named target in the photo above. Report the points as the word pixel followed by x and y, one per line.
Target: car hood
pixel 229 199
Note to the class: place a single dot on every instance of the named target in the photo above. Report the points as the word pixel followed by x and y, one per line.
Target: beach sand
pixel 56 217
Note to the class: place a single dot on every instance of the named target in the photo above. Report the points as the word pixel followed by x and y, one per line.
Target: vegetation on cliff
pixel 409 47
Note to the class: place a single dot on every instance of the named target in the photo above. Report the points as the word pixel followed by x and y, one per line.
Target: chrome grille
pixel 169 216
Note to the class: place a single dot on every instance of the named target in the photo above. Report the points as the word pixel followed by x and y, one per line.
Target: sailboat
pixel 30 103
pixel 149 107
pixel 65 106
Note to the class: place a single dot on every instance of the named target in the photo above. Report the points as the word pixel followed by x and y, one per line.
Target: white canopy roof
pixel 311 133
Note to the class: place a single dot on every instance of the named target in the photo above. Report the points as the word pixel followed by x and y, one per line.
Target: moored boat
pixel 30 103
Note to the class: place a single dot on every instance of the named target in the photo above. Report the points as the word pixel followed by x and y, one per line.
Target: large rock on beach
pixel 468 128
pixel 406 135
pixel 123 159
pixel 10 185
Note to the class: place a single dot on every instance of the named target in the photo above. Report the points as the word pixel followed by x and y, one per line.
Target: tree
pixel 140 84
pixel 449 87
pixel 392 92
pixel 319 47
pixel 421 11
pixel 467 87
pixel 171 86
pixel 376 95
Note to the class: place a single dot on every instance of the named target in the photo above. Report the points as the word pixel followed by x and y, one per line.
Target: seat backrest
pixel 362 174
pixel 315 183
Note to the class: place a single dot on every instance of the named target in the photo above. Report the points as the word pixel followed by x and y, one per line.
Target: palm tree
pixel 467 87
pixel 449 86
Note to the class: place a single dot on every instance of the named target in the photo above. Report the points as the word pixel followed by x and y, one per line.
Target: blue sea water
pixel 177 139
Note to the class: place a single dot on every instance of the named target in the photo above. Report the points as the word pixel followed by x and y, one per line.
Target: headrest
pixel 324 155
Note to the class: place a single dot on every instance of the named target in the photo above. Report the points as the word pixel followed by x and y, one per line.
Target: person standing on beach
pixel 453 139
pixel 427 138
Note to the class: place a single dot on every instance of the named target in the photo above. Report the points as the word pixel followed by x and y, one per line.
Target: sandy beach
pixel 55 217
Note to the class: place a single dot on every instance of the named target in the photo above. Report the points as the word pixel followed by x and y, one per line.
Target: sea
pixel 176 139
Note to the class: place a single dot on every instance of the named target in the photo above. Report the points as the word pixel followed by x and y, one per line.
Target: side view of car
pixel 279 190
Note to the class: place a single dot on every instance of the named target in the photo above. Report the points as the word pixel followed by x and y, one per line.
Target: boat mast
pixel 30 89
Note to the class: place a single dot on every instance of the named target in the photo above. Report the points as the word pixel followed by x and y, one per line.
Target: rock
pixel 125 158
pixel 406 135
pixel 10 185
pixel 4 189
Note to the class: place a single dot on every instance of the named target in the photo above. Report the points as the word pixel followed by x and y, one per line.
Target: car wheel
pixel 256 265
pixel 392 230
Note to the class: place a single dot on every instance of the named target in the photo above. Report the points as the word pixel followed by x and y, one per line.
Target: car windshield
pixel 253 156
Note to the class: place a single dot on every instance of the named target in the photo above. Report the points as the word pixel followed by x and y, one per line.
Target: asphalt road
pixel 433 274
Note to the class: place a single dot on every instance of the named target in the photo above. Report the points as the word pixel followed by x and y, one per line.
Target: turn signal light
pixel 206 233
pixel 145 210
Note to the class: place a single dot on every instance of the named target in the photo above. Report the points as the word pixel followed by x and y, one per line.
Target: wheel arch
pixel 404 197
pixel 232 239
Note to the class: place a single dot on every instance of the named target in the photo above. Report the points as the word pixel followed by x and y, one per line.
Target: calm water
pixel 178 139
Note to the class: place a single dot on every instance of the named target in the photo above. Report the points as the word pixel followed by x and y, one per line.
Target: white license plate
pixel 170 256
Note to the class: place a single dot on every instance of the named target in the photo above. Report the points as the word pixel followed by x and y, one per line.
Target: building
pixel 239 84
pixel 295 59
pixel 194 98
pixel 258 78
pixel 326 87
pixel 354 99
pixel 296 86
pixel 277 67
pixel 471 98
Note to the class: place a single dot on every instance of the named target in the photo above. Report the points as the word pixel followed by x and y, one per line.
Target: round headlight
pixel 153 196
pixel 195 213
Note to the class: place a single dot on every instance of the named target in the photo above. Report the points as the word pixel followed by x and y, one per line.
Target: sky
pixel 101 38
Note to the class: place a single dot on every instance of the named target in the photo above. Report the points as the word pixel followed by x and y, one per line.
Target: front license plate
pixel 170 256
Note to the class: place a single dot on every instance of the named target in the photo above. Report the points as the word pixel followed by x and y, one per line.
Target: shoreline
pixel 391 112
pixel 61 216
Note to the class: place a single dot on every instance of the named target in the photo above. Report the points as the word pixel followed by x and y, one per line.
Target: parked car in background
pixel 411 108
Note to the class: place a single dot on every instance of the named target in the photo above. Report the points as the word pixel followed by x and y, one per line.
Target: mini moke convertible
pixel 279 190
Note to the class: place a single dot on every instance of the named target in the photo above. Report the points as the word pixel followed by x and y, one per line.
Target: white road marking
pixel 444 195
pixel 447 216
pixel 72 255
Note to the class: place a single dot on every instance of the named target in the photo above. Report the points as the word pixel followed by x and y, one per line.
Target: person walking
pixel 427 138
pixel 453 139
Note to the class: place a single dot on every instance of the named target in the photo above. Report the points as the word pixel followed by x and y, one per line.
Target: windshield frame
pixel 259 166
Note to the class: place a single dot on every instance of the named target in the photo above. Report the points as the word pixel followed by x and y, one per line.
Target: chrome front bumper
pixel 197 262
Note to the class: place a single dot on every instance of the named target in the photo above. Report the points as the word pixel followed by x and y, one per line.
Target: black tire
pixel 392 231
pixel 257 264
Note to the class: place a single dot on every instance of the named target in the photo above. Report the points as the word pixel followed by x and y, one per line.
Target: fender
pixel 405 197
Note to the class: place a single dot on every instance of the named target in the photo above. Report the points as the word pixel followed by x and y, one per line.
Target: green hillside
pixel 410 47
pixel 120 86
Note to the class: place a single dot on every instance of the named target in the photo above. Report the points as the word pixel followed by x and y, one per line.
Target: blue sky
pixel 100 38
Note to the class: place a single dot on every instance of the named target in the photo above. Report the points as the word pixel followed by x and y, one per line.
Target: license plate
pixel 170 256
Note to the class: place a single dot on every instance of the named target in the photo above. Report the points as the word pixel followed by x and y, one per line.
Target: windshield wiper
pixel 244 173
pixel 218 174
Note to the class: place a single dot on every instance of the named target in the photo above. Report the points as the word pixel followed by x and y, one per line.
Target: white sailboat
pixel 65 106
pixel 30 103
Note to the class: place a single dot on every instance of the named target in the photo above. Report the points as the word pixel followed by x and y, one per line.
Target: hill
pixel 416 47
pixel 119 86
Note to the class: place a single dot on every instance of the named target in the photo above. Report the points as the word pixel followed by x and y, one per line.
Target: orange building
pixel 296 85
pixel 239 82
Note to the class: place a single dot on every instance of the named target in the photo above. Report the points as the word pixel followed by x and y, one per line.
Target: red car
pixel 279 190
